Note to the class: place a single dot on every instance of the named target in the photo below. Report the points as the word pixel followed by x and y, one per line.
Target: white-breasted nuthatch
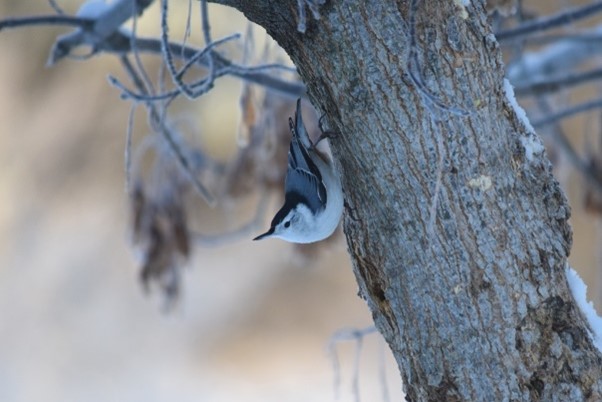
pixel 313 197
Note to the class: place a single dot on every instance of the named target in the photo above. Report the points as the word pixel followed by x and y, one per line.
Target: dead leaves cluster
pixel 161 234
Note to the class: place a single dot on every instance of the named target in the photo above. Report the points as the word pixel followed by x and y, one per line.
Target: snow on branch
pixel 579 291
pixel 520 112
pixel 94 33
pixel 554 60
pixel 107 19
pixel 531 142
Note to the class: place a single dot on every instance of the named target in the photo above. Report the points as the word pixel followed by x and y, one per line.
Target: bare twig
pixel 202 86
pixel 553 84
pixel 553 21
pixel 55 6
pixel 148 84
pixel 568 36
pixel 252 74
pixel 356 335
pixel 161 126
pixel 127 93
pixel 167 55
pixel 122 42
pixel 568 112
pixel 382 372
pixel 206 27
pixel 204 52
pixel 554 60
pixel 84 23
pixel 188 28
pixel 558 136
pixel 128 149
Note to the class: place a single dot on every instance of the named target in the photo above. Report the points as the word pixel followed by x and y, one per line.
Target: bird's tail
pixel 298 128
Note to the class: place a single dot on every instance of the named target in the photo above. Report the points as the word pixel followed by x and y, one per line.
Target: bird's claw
pixel 325 133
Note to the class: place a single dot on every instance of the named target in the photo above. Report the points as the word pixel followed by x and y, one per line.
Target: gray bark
pixel 472 300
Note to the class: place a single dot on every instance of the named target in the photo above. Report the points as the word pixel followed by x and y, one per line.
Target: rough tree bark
pixel 472 300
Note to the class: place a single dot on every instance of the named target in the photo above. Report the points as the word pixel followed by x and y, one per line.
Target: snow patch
pixel 520 112
pixel 531 142
pixel 93 8
pixel 579 291
pixel 532 145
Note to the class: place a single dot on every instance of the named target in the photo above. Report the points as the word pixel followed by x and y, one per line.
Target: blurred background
pixel 253 321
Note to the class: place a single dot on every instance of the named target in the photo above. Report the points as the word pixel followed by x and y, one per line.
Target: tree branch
pixel 568 112
pixel 122 42
pixel 554 21
pixel 554 84
pixel 553 60
pixel 158 122
pixel 561 140
pixel 84 23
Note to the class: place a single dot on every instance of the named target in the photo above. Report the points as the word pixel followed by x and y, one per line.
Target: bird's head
pixel 291 223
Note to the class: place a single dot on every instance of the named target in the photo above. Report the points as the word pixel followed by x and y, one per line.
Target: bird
pixel 313 196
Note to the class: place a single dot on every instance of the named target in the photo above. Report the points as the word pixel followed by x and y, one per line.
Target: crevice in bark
pixel 376 291
pixel 550 342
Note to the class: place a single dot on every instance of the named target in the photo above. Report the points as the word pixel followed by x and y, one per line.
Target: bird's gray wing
pixel 303 179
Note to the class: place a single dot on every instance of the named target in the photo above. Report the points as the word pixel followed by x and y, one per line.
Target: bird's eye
pixel 287 224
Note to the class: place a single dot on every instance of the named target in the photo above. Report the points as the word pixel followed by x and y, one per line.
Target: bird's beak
pixel 266 234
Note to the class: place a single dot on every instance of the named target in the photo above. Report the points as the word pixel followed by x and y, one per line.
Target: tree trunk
pixel 457 229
